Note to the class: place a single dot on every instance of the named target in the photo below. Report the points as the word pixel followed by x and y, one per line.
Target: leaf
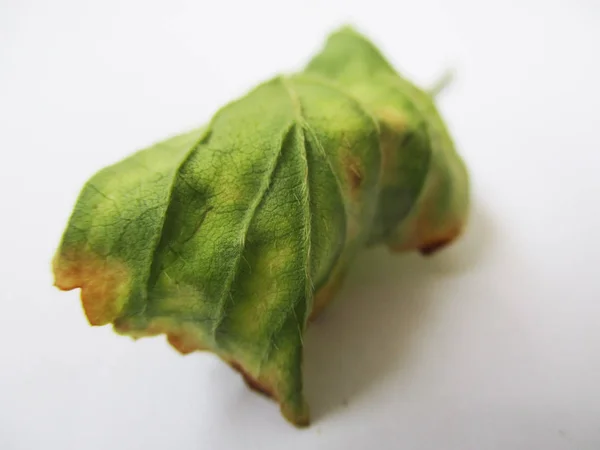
pixel 424 197
pixel 230 237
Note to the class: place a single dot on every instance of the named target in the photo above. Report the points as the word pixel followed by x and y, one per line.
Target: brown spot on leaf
pixel 103 282
pixel 252 382
pixel 427 241
pixel 269 386
pixel 432 247
pixel 354 174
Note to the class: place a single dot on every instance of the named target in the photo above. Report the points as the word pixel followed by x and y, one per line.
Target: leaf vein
pixel 249 217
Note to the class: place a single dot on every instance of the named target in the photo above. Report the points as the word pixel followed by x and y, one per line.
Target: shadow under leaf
pixel 366 333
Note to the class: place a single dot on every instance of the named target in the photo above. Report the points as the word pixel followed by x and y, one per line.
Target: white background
pixel 492 344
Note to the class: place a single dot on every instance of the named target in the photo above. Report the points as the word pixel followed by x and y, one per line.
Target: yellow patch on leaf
pixel 104 283
pixel 393 126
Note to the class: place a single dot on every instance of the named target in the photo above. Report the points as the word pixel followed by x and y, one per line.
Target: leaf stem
pixel 442 83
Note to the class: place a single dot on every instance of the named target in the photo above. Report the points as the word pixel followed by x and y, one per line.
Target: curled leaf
pixel 231 237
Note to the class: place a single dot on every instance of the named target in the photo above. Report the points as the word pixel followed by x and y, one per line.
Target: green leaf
pixel 230 237
pixel 424 198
